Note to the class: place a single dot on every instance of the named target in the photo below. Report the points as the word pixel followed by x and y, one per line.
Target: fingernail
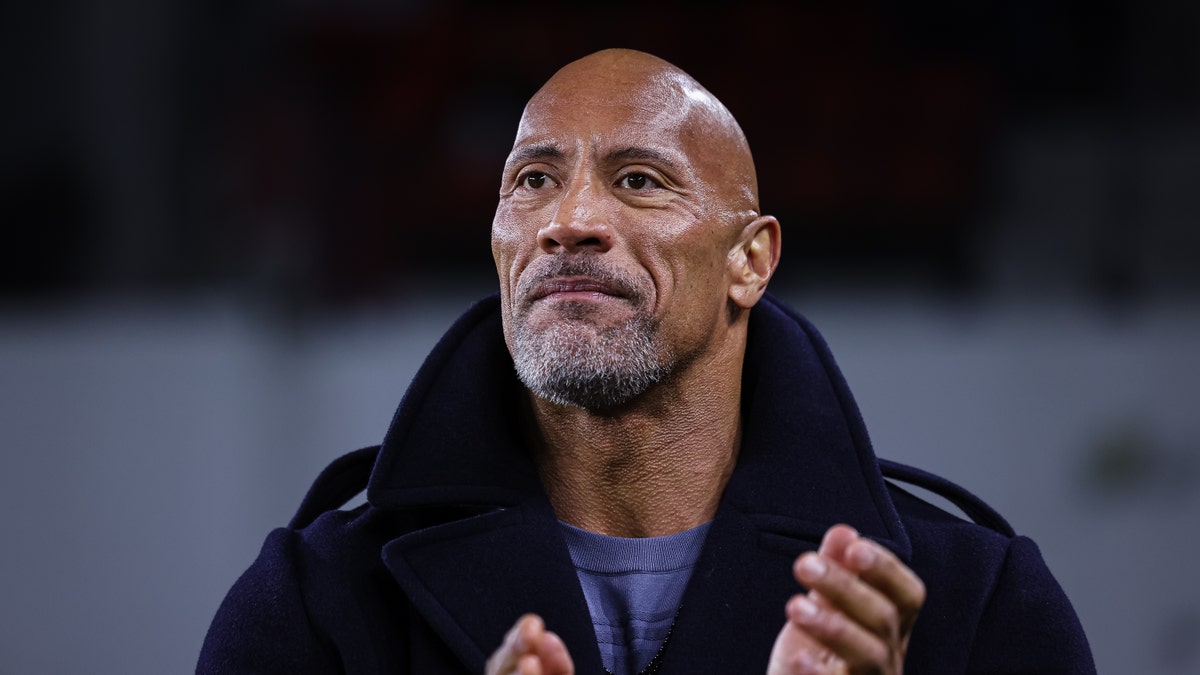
pixel 840 526
pixel 864 555
pixel 805 607
pixel 812 566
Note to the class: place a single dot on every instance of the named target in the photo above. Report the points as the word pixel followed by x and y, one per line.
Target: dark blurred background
pixel 318 153
pixel 233 229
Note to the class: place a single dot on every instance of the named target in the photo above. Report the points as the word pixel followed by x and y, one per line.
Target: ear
pixel 753 260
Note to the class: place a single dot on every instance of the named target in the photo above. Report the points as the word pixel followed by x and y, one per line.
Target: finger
pixel 517 643
pixel 798 653
pixel 833 545
pixel 881 569
pixel 854 646
pixel 836 540
pixel 530 629
pixel 555 659
pixel 838 590
pixel 529 664
pixel 501 660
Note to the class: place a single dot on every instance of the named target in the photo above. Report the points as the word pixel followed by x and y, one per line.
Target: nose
pixel 579 223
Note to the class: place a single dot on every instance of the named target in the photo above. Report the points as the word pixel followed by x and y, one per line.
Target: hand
pixel 857 615
pixel 530 649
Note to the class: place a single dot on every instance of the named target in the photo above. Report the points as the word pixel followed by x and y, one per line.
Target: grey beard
pixel 595 369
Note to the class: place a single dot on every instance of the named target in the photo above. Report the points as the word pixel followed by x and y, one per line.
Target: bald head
pixel 657 96
pixel 627 237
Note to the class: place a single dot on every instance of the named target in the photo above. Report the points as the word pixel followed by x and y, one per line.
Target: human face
pixel 611 236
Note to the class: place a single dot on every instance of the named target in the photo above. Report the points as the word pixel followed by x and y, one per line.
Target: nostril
pixel 573 236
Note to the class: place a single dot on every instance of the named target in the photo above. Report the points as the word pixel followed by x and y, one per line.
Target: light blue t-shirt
pixel 633 589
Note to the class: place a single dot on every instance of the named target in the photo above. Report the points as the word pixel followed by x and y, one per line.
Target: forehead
pixel 659 113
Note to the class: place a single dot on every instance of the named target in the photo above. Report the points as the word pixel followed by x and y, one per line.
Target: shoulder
pixel 325 531
pixel 323 538
pixel 973 507
pixel 954 534
pixel 985 582
pixel 318 595
pixel 974 541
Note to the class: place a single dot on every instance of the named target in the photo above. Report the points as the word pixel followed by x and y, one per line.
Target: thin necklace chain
pixel 656 662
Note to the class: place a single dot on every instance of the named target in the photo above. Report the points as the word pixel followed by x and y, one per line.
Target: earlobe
pixel 753 260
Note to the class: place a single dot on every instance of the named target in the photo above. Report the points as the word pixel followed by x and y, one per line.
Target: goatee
pixel 576 362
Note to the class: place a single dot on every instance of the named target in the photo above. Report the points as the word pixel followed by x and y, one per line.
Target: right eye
pixel 536 180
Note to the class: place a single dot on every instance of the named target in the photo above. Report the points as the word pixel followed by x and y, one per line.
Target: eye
pixel 535 180
pixel 637 181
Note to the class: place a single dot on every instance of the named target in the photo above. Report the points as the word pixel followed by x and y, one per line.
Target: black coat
pixel 458 538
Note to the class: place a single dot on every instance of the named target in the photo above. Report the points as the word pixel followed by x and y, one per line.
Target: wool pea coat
pixel 457 538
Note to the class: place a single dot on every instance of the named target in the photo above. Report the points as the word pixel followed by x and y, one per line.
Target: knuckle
pixel 879 656
pixel 887 623
pixel 833 627
pixel 800 662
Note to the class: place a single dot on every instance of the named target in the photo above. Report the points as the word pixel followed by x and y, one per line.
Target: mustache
pixel 548 268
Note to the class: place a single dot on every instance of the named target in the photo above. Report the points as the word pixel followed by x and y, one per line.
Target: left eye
pixel 637 181
pixel 536 180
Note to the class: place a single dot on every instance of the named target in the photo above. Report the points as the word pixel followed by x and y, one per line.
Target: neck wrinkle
pixel 657 468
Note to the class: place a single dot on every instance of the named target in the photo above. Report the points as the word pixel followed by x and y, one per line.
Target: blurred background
pixel 232 230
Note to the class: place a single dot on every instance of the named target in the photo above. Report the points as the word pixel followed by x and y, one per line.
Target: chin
pixel 600 315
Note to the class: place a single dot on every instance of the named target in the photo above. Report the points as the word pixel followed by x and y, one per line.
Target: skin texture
pixel 857 615
pixel 624 161
pixel 630 198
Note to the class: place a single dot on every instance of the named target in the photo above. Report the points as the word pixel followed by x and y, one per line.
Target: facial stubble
pixel 579 360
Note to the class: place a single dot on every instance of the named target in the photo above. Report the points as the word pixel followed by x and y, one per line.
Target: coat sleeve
pixel 263 625
pixel 1029 625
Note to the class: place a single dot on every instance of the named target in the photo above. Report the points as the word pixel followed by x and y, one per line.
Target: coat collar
pixel 806 461
pixel 805 464
pixel 455 439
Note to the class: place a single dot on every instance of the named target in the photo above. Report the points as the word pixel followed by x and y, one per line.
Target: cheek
pixel 695 253
pixel 693 267
pixel 506 238
pixel 503 248
pixel 516 224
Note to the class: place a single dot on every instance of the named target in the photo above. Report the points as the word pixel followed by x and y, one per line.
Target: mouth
pixel 574 288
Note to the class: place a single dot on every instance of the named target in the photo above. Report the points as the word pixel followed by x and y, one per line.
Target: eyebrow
pixel 550 151
pixel 539 151
pixel 642 153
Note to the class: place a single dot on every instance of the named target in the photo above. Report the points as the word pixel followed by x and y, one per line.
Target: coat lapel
pixel 742 580
pixel 472 579
pixel 805 463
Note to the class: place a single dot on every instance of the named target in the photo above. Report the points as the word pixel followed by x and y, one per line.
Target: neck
pixel 656 467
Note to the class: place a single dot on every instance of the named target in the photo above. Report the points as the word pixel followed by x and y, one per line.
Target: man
pixel 662 490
